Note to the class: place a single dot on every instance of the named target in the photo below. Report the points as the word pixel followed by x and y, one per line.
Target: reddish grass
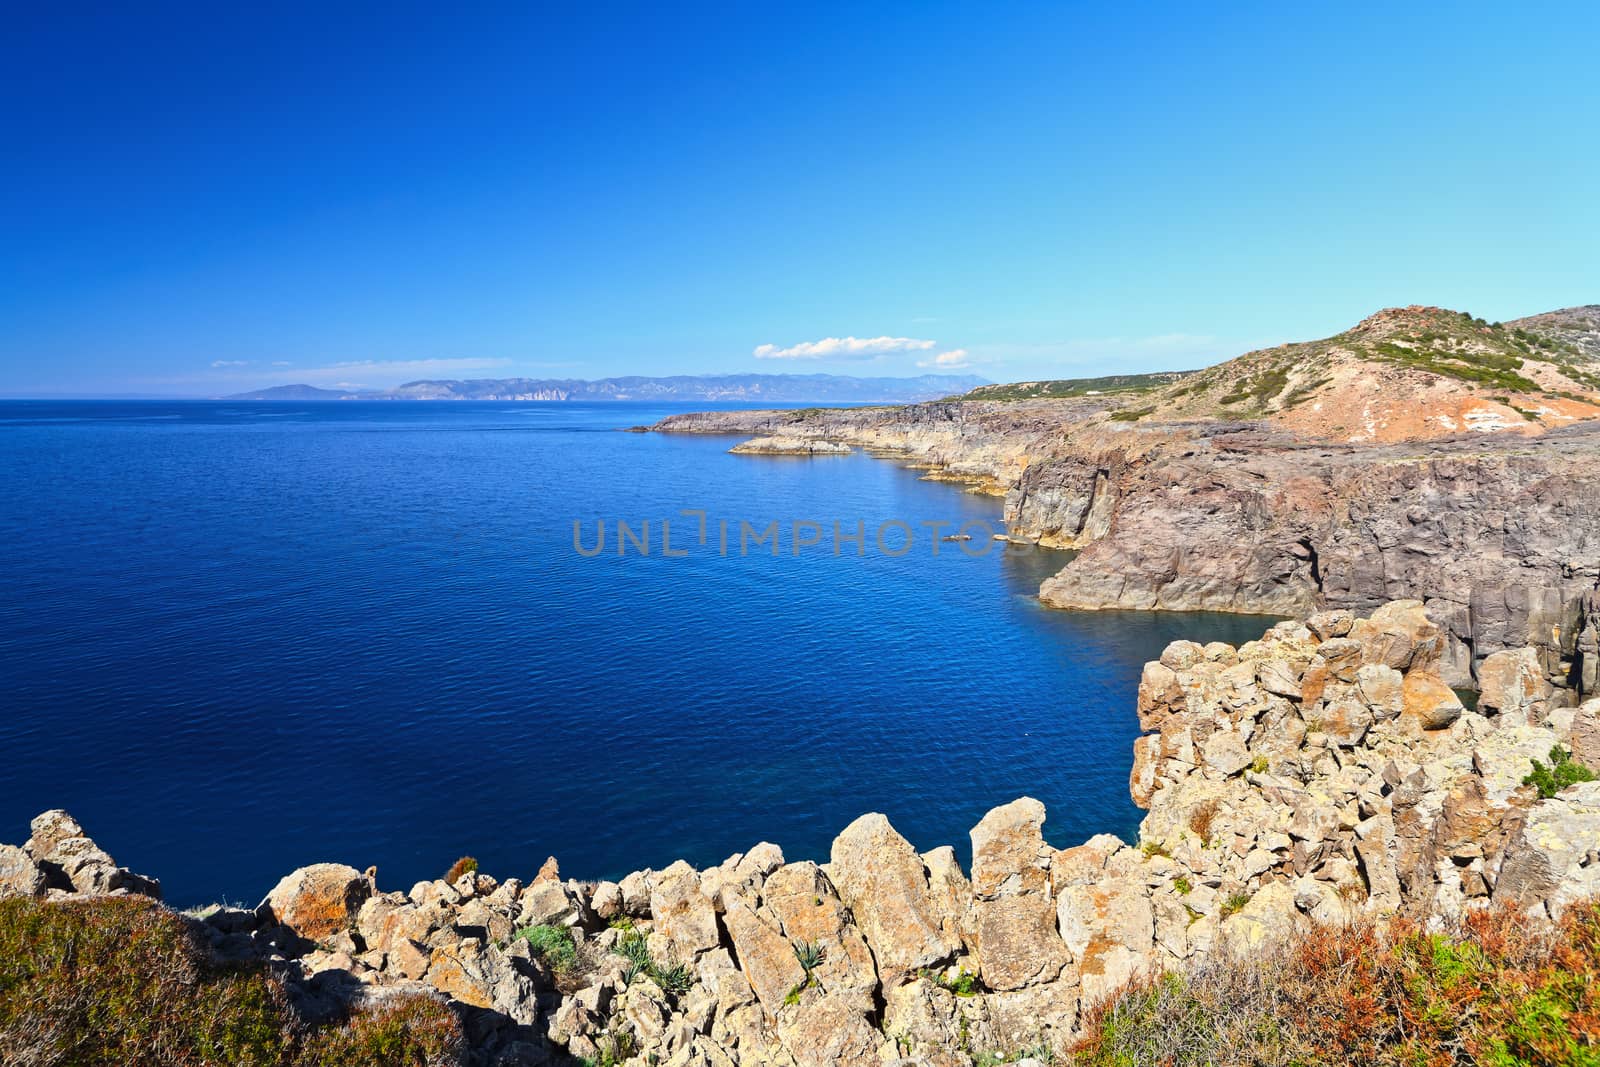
pixel 1496 990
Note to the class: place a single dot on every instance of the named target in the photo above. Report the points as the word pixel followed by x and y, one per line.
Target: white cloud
pixel 955 359
pixel 281 363
pixel 843 348
pixel 230 363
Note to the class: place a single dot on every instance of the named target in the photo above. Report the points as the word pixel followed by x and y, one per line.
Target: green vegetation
pixel 1041 1052
pixel 1130 414
pixel 1234 904
pixel 1183 885
pixel 672 977
pixel 1496 990
pixel 122 980
pixel 616 1047
pixel 1561 772
pixel 1438 356
pixel 964 984
pixel 1075 387
pixel 552 944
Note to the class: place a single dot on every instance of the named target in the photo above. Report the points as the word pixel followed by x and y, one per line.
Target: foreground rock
pixel 1321 773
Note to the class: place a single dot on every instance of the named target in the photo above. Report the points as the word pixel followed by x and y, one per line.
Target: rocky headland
pixel 1422 454
pixel 1319 775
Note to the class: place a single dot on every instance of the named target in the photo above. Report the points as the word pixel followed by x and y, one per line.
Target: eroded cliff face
pixel 1500 535
pixel 1502 543
pixel 1322 773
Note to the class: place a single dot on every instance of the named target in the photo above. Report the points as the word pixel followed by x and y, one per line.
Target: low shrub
pixel 1562 772
pixel 672 977
pixel 414 1030
pixel 463 866
pixel 122 980
pixel 552 944
pixel 1495 990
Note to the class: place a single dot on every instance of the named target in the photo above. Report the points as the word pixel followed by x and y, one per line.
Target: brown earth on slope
pixel 1407 374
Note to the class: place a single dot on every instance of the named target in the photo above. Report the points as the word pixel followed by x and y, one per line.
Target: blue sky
pixel 201 200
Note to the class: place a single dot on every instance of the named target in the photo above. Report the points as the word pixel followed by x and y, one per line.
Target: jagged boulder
pixel 318 901
pixel 1013 908
pixel 1554 860
pixel 685 917
pixel 1511 684
pixel 19 875
pixel 882 880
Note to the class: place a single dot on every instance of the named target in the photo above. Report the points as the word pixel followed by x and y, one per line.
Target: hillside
pixel 1075 387
pixel 755 388
pixel 1579 326
pixel 1406 374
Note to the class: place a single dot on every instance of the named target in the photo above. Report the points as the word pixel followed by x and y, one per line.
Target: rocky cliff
pixel 1179 499
pixel 1322 773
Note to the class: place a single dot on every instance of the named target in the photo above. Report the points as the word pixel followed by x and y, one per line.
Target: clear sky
pixel 210 199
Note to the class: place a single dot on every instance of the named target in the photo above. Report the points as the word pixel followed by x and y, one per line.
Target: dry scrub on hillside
pixel 1495 991
pixel 120 980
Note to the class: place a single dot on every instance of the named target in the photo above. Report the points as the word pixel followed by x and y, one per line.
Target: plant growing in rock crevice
pixel 1201 818
pixel 1562 772
pixel 672 977
pixel 463 866
pixel 552 944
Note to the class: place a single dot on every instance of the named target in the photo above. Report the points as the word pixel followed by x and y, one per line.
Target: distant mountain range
pixel 755 388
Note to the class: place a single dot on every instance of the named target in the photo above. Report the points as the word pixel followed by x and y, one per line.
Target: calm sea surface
pixel 236 639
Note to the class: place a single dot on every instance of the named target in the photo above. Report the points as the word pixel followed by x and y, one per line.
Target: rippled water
pixel 236 639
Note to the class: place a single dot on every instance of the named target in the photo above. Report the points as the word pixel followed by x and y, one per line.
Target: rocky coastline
pixel 1320 774
pixel 1496 533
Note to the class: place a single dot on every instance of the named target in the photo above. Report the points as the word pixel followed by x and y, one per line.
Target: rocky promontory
pixel 1321 774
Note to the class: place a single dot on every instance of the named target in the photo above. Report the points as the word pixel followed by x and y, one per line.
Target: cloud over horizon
pixel 955 359
pixel 851 348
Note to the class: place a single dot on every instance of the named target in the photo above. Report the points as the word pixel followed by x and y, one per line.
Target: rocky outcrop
pixel 1321 773
pixel 60 860
pixel 790 446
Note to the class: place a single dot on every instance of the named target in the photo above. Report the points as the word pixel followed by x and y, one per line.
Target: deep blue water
pixel 235 639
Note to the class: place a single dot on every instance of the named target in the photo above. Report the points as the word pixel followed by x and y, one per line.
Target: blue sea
pixel 240 638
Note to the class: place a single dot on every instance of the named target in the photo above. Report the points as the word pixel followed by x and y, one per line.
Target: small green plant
pixel 616 1047
pixel 1562 772
pixel 1155 848
pixel 964 984
pixel 1234 904
pixel 674 978
pixel 552 944
pixel 1182 885
pixel 1259 765
pixel 809 954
